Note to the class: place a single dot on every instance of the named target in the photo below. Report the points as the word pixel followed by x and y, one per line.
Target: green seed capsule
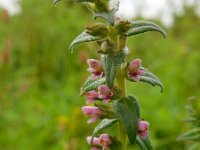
pixel 98 29
pixel 122 27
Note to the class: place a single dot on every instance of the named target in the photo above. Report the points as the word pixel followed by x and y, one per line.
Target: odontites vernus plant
pixel 105 89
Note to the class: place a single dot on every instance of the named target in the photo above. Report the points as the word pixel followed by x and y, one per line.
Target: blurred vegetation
pixel 40 107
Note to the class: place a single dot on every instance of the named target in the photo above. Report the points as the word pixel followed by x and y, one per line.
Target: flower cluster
pixel 104 93
pixel 101 142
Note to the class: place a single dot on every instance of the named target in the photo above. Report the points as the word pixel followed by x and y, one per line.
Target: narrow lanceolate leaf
pixel 193 134
pixel 139 23
pixel 108 16
pixel 150 78
pixel 91 84
pixel 133 99
pixel 190 120
pixel 125 109
pixel 105 123
pixel 139 27
pixel 144 144
pixel 83 37
pixel 111 63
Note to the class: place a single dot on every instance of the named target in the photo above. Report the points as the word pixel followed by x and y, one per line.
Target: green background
pixel 40 107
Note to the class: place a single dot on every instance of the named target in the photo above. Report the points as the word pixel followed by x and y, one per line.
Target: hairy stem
pixel 122 85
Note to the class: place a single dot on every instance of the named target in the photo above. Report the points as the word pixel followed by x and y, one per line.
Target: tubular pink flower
pixel 134 69
pixel 143 127
pixel 91 96
pixel 105 93
pixel 95 140
pixel 93 112
pixel 94 144
pixel 95 67
pixel 105 141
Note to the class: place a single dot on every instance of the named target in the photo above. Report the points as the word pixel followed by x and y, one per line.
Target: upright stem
pixel 122 85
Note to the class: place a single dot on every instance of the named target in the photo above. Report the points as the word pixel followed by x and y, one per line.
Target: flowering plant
pixel 106 87
pixel 192 136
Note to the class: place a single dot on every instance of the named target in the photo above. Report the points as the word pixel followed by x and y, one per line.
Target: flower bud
pixel 143 127
pixel 101 5
pixel 105 93
pixel 107 47
pixel 122 27
pixel 134 70
pixel 93 112
pixel 98 29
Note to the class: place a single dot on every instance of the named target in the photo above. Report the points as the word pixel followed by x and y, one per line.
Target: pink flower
pixel 134 69
pixel 105 93
pixel 105 141
pixel 93 112
pixel 95 67
pixel 94 144
pixel 91 96
pixel 143 127
pixel 95 140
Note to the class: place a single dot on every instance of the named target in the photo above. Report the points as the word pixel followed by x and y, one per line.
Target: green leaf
pixel 91 84
pixel 108 16
pixel 116 144
pixel 190 120
pixel 194 146
pixel 105 123
pixel 193 134
pixel 56 1
pixel 139 27
pixel 139 23
pixel 83 37
pixel 149 78
pixel 144 144
pixel 133 99
pixel 125 109
pixel 111 63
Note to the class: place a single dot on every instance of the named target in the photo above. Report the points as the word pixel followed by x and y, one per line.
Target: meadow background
pixel 40 107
